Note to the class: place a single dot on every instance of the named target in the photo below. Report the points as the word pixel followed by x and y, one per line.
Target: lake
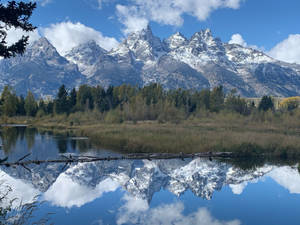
pixel 190 191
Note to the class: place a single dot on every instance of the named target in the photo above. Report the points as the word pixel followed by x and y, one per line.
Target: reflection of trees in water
pixel 30 134
pixel 10 136
pixel 62 145
pixel 252 163
pixel 73 144
pixel 83 145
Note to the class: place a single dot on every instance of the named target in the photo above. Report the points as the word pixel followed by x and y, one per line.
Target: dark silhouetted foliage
pixel 15 14
pixel 266 104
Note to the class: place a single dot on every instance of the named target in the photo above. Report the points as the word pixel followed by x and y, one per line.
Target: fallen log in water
pixel 132 156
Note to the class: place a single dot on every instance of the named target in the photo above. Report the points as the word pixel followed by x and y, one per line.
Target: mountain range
pixel 199 62
pixel 142 179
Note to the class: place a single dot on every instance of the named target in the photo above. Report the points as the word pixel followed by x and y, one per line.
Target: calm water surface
pixel 197 191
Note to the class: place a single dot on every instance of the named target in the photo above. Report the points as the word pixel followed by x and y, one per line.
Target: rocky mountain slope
pixel 41 70
pixel 201 61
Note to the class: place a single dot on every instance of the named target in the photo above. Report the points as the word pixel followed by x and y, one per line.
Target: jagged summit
pixel 144 34
pixel 42 48
pixel 91 44
pixel 140 46
pixel 41 70
pixel 86 55
pixel 43 41
pixel 176 40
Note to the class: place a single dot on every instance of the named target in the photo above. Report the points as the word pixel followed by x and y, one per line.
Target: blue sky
pixel 270 25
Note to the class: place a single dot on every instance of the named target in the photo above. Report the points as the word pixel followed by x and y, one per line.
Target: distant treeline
pixel 127 102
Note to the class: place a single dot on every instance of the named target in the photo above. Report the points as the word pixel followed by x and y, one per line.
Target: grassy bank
pixel 264 134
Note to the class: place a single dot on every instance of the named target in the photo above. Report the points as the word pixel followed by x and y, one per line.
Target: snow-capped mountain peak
pixel 203 36
pixel 176 40
pixel 42 48
pixel 86 56
pixel 201 61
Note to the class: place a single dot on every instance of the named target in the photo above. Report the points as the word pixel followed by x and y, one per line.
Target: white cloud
pixel 168 12
pixel 66 35
pixel 238 39
pixel 285 176
pixel 288 178
pixel 20 190
pixel 131 18
pixel 166 214
pixel 13 35
pixel 67 193
pixel 288 50
pixel 238 188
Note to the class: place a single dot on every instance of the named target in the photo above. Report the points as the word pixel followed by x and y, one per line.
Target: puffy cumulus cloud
pixel 131 18
pixel 238 39
pixel 168 12
pixel 288 178
pixel 22 192
pixel 13 35
pixel 66 35
pixel 238 188
pixel 285 176
pixel 131 213
pixel 67 193
pixel 131 210
pixel 288 50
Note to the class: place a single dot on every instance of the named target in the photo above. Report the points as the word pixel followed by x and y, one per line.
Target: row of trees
pixel 149 102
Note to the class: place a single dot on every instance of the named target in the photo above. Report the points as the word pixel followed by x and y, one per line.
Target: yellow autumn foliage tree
pixel 290 103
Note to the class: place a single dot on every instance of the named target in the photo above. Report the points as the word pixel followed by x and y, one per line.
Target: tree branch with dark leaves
pixel 16 15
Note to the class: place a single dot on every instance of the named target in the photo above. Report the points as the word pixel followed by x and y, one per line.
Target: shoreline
pixel 243 139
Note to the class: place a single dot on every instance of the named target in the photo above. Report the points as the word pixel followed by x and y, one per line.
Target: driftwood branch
pixel 149 156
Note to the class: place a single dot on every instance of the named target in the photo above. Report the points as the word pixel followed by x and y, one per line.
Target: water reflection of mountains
pixel 143 178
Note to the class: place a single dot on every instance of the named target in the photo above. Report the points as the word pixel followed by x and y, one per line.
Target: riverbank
pixel 217 133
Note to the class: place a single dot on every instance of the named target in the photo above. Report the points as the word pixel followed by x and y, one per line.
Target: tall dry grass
pixel 260 133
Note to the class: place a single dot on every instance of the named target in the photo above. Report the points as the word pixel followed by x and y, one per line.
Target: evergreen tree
pixel 152 93
pixel 266 103
pixel 50 107
pixel 72 99
pixel 236 104
pixel 9 102
pixel 30 104
pixel 204 99
pixel 100 100
pixel 111 100
pixel 15 15
pixel 21 106
pixel 10 105
pixel 85 98
pixel 61 102
pixel 216 100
